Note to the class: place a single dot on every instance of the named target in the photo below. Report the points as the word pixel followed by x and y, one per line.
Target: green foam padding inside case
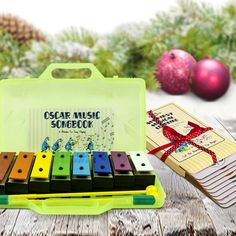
pixel 143 200
pixel 3 199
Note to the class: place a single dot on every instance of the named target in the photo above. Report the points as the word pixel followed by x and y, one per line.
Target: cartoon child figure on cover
pixel 70 144
pixel 90 146
pixel 45 145
pixel 57 145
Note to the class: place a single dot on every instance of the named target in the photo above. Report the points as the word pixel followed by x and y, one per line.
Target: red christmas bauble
pixel 174 71
pixel 211 79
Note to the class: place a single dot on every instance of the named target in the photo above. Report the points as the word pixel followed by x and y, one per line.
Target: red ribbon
pixel 178 139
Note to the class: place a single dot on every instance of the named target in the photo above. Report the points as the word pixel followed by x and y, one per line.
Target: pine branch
pixel 131 50
pixel 82 36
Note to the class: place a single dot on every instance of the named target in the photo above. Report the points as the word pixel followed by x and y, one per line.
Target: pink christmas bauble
pixel 211 79
pixel 173 71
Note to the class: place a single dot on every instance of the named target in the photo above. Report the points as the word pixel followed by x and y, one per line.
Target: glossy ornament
pixel 173 71
pixel 211 79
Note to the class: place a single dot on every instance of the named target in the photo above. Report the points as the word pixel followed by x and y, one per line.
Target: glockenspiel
pixel 47 172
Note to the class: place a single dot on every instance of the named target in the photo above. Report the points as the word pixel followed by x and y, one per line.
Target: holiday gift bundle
pixel 192 149
pixel 84 140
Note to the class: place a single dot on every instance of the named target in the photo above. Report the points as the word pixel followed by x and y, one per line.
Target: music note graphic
pixel 105 123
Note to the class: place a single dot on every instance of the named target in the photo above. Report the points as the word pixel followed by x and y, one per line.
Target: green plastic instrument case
pixel 109 111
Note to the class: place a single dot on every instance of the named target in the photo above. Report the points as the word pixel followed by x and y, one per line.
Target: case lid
pixel 96 113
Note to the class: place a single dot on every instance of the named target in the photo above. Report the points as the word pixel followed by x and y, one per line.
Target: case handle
pixel 95 73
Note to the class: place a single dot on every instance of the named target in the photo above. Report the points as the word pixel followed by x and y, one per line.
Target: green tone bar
pixel 61 164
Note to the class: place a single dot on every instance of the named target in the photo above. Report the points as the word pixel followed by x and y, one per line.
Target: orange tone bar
pixel 6 159
pixel 21 168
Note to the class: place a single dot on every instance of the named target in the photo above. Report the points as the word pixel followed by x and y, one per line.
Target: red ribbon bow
pixel 178 139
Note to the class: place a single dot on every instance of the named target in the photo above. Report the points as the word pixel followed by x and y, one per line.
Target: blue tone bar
pixel 81 165
pixel 101 163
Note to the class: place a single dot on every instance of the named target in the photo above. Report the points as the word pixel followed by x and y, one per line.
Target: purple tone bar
pixel 120 161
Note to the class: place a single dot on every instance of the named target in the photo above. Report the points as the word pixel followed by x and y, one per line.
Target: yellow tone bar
pixel 42 165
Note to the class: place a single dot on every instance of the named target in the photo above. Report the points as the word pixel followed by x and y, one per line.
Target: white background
pixel 102 16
